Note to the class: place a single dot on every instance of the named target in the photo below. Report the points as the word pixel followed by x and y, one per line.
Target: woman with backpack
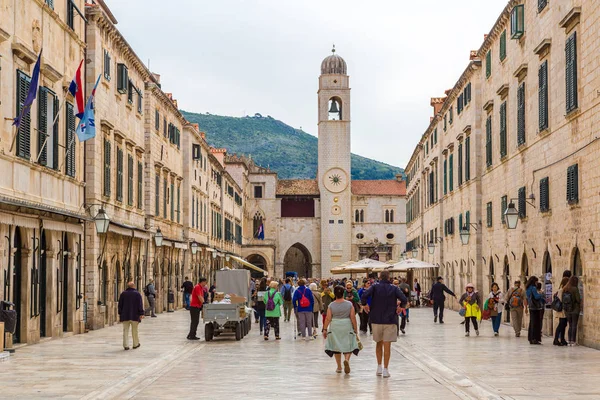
pixel 317 307
pixel 259 305
pixel 571 302
pixel 495 307
pixel 535 303
pixel 559 312
pixel 340 330
pixel 273 302
pixel 303 302
pixel 471 308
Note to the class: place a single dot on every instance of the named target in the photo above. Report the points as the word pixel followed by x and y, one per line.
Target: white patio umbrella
pixel 411 263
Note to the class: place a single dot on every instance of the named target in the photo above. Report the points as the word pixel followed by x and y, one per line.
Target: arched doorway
pixel 16 278
pixel 260 262
pixel 547 276
pixel 42 282
pixel 297 259
pixel 524 268
pixel 492 272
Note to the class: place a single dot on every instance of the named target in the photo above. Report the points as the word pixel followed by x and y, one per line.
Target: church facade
pixel 308 226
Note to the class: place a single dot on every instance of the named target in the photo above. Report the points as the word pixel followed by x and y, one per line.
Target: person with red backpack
pixel 273 302
pixel 303 302
pixel 516 301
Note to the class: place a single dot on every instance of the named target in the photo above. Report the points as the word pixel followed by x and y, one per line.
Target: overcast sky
pixel 242 57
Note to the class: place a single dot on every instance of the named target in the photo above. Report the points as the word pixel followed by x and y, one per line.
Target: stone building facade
pixel 534 108
pixel 42 180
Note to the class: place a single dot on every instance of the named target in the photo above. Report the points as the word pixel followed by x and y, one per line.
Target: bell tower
pixel 333 172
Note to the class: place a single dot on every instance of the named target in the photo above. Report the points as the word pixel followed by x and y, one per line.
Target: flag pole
pixel 67 153
pixel 15 131
pixel 53 123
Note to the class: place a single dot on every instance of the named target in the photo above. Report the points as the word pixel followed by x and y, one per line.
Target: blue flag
pixel 87 125
pixel 33 87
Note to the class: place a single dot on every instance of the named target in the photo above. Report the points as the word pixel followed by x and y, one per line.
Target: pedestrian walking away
pixel 495 305
pixel 535 306
pixel 405 287
pixel 317 307
pixel 304 302
pixel 259 304
pixel 187 288
pixel 150 293
pixel 417 290
pixel 515 302
pixel 287 291
pixel 196 305
pixel 131 313
pixel 364 316
pixel 438 298
pixel 559 312
pixel 339 330
pixel 470 302
pixel 327 296
pixel 384 318
pixel 273 302
pixel 571 302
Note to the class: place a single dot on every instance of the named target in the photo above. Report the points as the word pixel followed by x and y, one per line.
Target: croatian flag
pixel 261 232
pixel 31 95
pixel 87 125
pixel 76 90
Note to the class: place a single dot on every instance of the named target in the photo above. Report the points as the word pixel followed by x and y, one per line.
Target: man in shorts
pixel 384 317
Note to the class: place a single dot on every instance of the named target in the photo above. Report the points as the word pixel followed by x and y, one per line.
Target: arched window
pixel 492 272
pixel 387 215
pixel 362 215
pixel 576 266
pixel 335 109
pixel 357 216
pixel 391 215
pixel 524 268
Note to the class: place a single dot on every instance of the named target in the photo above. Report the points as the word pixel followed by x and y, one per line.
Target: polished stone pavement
pixel 431 361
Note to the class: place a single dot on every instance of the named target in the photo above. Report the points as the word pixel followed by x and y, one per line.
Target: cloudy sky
pixel 236 57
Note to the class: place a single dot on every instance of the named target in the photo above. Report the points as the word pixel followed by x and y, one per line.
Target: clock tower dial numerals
pixel 335 180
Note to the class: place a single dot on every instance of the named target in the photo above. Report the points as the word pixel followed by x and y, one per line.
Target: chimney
pixel 399 177
pixel 473 55
pixel 156 77
pixel 437 103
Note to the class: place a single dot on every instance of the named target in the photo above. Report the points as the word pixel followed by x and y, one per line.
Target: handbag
pixel 462 312
pixel 486 314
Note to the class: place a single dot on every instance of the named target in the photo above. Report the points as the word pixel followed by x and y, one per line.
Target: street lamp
pixel 194 247
pixel 431 247
pixel 511 215
pixel 158 238
pixel 214 254
pixel 415 252
pixel 464 235
pixel 227 257
pixel 102 221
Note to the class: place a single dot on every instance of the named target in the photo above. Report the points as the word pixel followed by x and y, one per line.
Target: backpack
pixel 515 299
pixel 270 302
pixel 304 302
pixel 146 291
pixel 557 305
pixel 287 293
pixel 567 302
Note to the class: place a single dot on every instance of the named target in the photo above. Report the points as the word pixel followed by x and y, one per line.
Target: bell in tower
pixel 335 109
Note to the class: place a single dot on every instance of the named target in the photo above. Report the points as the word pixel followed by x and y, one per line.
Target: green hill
pixel 290 152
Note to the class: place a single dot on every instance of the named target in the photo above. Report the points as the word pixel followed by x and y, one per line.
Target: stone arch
pixel 492 271
pixel 298 259
pixel 260 262
pixel 334 108
pixel 506 274
pixel 576 265
pixel 524 267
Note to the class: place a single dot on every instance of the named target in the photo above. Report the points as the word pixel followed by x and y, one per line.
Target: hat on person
pixel 470 285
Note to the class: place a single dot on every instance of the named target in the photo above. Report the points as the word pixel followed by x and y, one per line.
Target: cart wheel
pixel 238 331
pixel 209 331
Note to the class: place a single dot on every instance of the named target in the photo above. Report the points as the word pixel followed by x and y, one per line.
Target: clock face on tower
pixel 335 180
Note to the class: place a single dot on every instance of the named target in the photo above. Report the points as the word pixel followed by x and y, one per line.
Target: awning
pixel 62 226
pixel 247 264
pixel 182 246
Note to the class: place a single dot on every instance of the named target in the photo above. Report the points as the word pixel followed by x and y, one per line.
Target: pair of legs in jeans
pixel 572 319
pixel 561 330
pixel 496 322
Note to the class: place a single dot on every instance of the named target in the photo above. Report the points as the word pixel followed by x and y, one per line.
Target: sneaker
pixel 467 334
pixel 386 373
pixel 517 335
pixel 154 316
pixel 277 338
pixel 476 332
pixel 193 338
pixel 435 318
pixel 441 322
pixel 266 338
pixel 379 370
pixel 407 320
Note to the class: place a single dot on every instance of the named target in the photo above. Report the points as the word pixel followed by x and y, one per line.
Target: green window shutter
pixel 445 177
pixel 460 222
pixel 178 202
pixel 503 206
pixel 521 114
pixel 503 146
pixel 451 112
pixel 165 198
pixel 573 184
pixel 24 133
pixel 201 208
pixel 467 158
pixel 122 78
pixel 129 180
pixel 435 135
pixel 488 64
pixel 460 164
pixel 488 141
pixel 489 214
pixel 571 72
pixel 544 195
pixel 140 194
pixel 445 122
pixel 543 95
pixel 468 220
pixel 43 124
pixel 119 174
pixel 172 200
pixel 451 172
pixel 193 211
pixel 522 203
pixel 70 155
pixel 157 195
pixel 107 168
pixel 541 5
pixel 55 128
pixel 503 46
